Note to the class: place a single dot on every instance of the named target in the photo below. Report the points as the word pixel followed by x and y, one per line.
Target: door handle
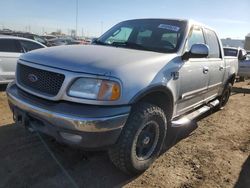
pixel 221 67
pixel 205 70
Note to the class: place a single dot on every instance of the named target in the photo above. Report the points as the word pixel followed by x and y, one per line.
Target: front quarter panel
pixel 165 80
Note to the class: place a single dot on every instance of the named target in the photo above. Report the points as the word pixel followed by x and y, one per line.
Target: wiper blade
pixel 131 45
pixel 100 42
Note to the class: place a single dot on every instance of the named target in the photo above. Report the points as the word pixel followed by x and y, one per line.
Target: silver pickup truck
pixel 124 91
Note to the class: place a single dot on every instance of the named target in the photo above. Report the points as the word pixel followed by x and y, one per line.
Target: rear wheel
pixel 141 139
pixel 225 95
pixel 242 79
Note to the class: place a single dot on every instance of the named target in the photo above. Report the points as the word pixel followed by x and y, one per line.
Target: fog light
pixel 71 137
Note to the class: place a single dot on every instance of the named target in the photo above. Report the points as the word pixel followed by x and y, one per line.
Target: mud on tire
pixel 225 95
pixel 141 139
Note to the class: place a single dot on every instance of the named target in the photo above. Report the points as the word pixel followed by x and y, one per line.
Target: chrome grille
pixel 38 80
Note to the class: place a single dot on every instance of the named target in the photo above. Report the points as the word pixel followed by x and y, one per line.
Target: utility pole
pixel 76 16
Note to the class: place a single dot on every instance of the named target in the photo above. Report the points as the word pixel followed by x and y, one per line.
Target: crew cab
pixel 124 91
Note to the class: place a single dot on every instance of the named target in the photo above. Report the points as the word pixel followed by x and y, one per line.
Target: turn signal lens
pixel 109 90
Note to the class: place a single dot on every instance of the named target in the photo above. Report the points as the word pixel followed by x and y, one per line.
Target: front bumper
pixel 87 126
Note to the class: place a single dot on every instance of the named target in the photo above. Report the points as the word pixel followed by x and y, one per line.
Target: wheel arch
pixel 160 96
pixel 231 79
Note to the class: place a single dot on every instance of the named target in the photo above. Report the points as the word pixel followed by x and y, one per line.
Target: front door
pixel 193 76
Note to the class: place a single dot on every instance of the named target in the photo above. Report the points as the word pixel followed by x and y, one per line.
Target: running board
pixel 185 120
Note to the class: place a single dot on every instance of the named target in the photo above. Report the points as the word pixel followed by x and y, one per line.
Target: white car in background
pixel 244 68
pixel 10 49
pixel 244 61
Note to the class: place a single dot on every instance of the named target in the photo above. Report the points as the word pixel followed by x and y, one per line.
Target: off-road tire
pixel 242 79
pixel 124 154
pixel 225 96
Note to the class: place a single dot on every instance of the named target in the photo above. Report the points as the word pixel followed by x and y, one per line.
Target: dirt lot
pixel 214 154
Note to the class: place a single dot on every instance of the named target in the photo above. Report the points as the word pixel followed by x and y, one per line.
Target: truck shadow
pixel 3 87
pixel 25 162
pixel 244 180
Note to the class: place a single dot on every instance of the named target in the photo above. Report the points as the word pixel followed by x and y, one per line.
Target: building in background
pixel 247 42
pixel 228 42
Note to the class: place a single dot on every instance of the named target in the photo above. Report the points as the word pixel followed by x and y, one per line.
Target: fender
pixel 152 89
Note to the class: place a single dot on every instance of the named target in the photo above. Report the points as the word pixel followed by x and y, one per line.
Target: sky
pixel 230 18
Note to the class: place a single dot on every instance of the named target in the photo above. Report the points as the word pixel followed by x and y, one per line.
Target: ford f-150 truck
pixel 125 90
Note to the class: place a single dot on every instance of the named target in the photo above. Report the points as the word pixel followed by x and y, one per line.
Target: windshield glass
pixel 157 35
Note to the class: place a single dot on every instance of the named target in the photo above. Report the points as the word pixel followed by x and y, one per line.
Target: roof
pixel 189 21
pixel 18 38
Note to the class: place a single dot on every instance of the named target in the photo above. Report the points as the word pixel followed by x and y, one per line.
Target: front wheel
pixel 141 139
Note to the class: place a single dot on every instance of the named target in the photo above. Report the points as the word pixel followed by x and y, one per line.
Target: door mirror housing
pixel 242 55
pixel 197 51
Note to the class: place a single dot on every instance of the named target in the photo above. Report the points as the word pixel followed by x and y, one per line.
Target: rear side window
pixel 213 43
pixel 196 37
pixel 28 46
pixel 10 45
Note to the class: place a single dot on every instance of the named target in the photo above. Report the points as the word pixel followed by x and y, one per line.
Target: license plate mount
pixel 19 116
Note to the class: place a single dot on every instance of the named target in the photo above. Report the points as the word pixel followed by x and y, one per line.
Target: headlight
pixel 90 88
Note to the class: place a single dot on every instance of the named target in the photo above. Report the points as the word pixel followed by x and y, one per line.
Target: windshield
pixel 157 35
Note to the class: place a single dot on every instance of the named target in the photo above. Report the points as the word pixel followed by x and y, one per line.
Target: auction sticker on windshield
pixel 169 27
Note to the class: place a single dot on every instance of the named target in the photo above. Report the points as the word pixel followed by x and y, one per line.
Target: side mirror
pixel 196 51
pixel 242 55
pixel 199 51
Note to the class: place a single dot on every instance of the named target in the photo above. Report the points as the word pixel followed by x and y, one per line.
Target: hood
pixel 93 59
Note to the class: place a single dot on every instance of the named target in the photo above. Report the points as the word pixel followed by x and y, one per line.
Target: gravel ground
pixel 214 152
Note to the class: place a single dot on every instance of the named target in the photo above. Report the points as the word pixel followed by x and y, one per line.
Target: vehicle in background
pixel 49 37
pixel 244 68
pixel 10 50
pixel 63 41
pixel 123 92
pixel 26 35
pixel 244 62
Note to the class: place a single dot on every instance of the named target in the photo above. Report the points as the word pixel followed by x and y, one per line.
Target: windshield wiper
pixel 130 45
pixel 100 42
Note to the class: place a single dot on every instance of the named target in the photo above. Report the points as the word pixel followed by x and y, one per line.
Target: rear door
pixel 216 64
pixel 193 76
pixel 10 50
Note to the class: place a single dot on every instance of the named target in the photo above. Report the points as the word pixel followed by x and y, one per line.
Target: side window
pixel 196 37
pixel 28 46
pixel 39 39
pixel 10 45
pixel 213 43
pixel 120 35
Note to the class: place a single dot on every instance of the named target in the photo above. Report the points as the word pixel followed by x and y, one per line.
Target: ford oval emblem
pixel 32 78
